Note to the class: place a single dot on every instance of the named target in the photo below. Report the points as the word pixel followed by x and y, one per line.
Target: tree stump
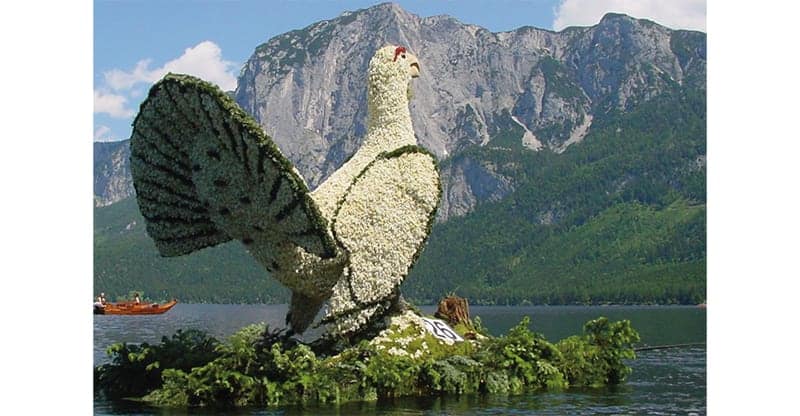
pixel 454 310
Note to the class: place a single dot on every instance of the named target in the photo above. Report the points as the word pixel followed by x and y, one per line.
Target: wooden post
pixel 454 310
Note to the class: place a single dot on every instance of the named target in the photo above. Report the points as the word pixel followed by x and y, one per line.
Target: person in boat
pixel 136 299
pixel 101 301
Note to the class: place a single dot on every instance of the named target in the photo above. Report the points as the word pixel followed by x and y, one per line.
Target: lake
pixel 664 381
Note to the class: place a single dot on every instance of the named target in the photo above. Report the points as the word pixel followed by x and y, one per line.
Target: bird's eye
pixel 403 56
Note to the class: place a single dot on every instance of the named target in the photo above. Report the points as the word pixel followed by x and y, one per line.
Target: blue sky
pixel 137 42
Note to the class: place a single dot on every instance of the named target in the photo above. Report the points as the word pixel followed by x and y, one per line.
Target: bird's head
pixel 392 68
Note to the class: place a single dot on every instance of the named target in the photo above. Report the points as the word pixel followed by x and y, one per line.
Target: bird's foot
pixel 283 336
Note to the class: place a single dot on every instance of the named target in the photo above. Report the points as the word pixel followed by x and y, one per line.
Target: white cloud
pixel 204 60
pixel 111 104
pixel 122 90
pixel 118 79
pixel 675 14
pixel 121 87
pixel 102 134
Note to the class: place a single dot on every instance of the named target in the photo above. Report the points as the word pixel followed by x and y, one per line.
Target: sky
pixel 138 42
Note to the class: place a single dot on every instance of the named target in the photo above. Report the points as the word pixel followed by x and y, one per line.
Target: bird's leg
pixel 281 336
pixel 302 311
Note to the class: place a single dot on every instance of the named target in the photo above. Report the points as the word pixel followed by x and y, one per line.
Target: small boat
pixel 133 308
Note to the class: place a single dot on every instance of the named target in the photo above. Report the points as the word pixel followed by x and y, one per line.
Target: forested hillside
pixel 126 260
pixel 618 218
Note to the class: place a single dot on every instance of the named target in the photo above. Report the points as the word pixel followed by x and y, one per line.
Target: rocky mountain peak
pixel 386 9
pixel 614 17
pixel 112 173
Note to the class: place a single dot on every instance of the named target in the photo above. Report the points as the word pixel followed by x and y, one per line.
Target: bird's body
pixel 205 173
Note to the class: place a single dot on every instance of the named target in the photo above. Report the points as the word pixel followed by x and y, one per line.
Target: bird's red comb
pixel 398 51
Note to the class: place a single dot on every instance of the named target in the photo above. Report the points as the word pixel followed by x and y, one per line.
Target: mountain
pixel 550 144
pixel 112 172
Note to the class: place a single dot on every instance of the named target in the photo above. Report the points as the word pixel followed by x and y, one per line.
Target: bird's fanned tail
pixel 206 173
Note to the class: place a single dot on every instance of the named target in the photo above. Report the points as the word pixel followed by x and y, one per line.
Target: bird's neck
pixel 389 120
pixel 385 112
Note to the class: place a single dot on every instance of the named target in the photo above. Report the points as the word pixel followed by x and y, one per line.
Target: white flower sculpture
pixel 206 173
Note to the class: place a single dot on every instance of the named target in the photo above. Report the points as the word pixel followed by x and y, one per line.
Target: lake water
pixel 664 382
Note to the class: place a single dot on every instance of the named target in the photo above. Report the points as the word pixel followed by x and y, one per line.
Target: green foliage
pixel 390 375
pixel 478 327
pixel 525 357
pixel 137 369
pixel 596 358
pixel 252 368
pixel 244 373
pixel 248 371
pixel 456 374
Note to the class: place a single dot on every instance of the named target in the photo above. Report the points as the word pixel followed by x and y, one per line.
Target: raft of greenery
pixel 258 367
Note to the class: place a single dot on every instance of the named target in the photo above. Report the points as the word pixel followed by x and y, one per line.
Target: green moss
pixel 254 367
pixel 421 344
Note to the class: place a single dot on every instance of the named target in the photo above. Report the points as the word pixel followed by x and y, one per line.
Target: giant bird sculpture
pixel 206 173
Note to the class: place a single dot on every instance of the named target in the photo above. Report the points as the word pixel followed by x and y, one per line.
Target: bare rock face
pixel 112 173
pixel 467 182
pixel 307 87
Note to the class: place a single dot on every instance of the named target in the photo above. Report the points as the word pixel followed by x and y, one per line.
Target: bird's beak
pixel 413 63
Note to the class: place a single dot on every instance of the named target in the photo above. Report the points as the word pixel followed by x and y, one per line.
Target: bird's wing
pixel 206 173
pixel 382 223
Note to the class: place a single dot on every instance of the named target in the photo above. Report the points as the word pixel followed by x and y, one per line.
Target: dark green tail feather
pixel 205 173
